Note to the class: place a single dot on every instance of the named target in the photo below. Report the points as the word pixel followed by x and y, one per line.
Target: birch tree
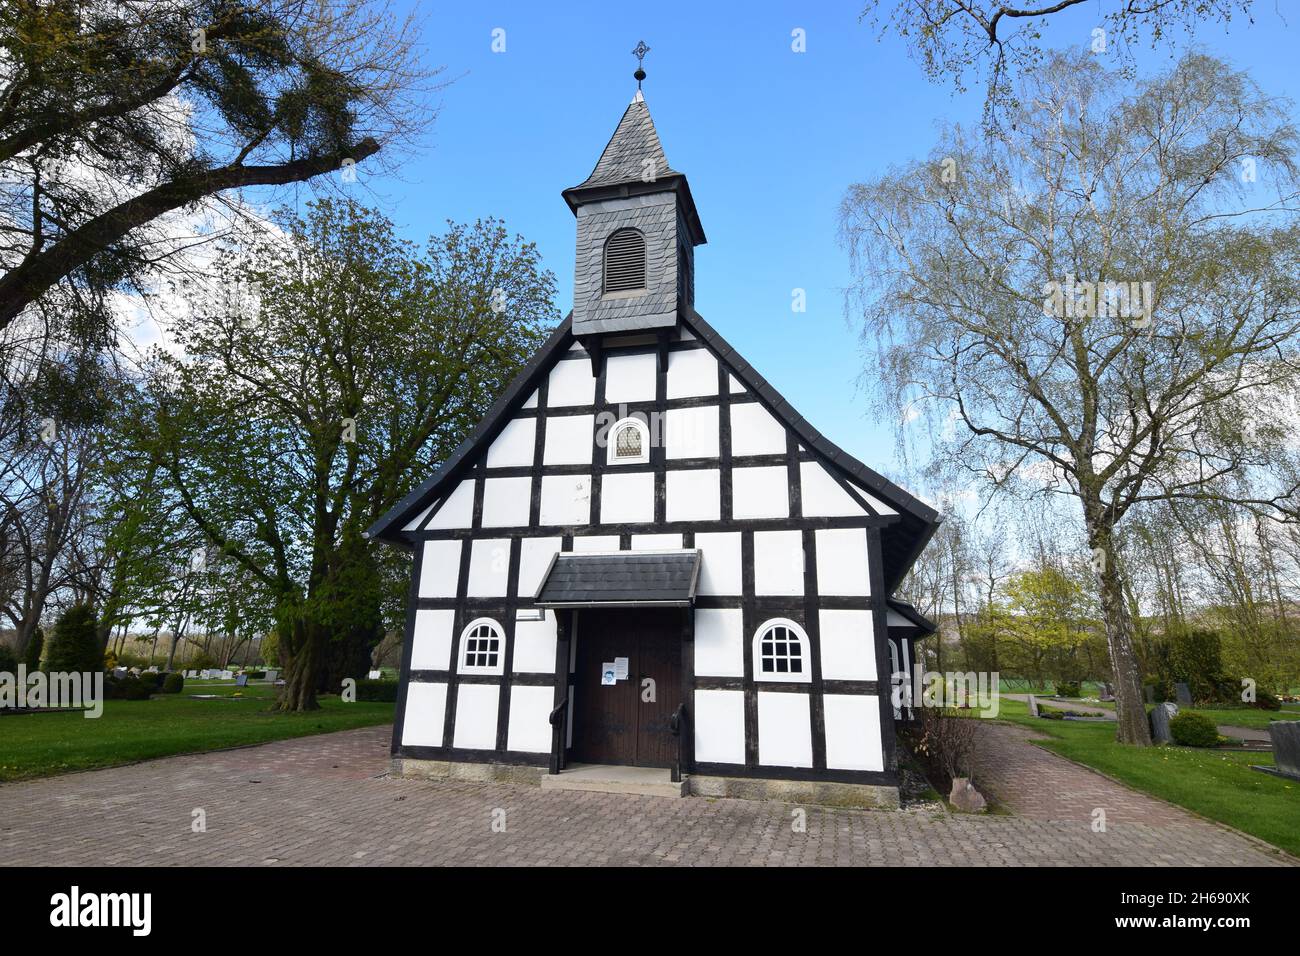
pixel 1096 302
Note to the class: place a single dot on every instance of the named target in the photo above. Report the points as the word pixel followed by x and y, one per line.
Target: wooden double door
pixel 627 722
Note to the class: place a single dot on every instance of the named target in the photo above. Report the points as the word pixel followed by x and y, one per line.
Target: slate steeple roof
pixel 632 150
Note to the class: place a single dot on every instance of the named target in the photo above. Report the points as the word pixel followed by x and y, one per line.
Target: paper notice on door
pixel 620 668
pixel 607 674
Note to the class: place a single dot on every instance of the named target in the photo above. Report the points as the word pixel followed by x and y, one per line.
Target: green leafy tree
pixel 175 101
pixel 74 644
pixel 298 416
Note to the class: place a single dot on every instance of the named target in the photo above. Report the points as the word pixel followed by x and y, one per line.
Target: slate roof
pixel 604 579
pixel 624 158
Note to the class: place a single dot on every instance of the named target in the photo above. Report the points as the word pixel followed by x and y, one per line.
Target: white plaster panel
pixel 719 562
pixel 566 499
pixel 440 569
pixel 568 439
pixel 489 567
pixel 876 504
pixel 596 542
pixel 534 558
pixel 734 386
pixel 476 716
pixel 415 523
pixel 693 494
pixel 630 378
pixel 506 502
pixel 627 496
pixel 529 729
pixel 778 562
pixel 691 432
pixel 760 492
pixel 848 642
pixel 532 400
pixel 852 732
pixel 719 726
pixel 458 510
pixel 692 372
pixel 571 384
pixel 655 542
pixel 431 650
pixel 754 431
pixel 784 730
pixel 842 561
pixel 822 495
pixel 514 446
pixel 426 713
pixel 719 642
pixel 535 646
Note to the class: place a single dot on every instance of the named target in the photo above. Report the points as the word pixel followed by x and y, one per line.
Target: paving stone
pixel 325 800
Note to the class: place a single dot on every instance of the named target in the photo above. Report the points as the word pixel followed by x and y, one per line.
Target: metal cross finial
pixel 640 52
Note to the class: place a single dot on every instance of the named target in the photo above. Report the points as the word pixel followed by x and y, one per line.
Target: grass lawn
pixel 1216 784
pixel 1246 716
pixel 38 745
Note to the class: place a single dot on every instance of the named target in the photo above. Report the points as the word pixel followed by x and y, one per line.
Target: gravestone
pixel 241 680
pixel 1107 693
pixel 1285 735
pixel 374 675
pixel 1160 717
pixel 227 675
pixel 272 675
pixel 1183 694
pixel 1033 706
pixel 119 672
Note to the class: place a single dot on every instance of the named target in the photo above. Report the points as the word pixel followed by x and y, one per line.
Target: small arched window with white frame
pixel 482 648
pixel 628 442
pixel 781 652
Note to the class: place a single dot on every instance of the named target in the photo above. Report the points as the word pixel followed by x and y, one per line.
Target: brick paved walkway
pixel 323 800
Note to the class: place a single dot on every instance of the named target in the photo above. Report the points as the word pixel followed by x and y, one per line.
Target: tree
pixel 113 115
pixel 74 645
pixel 952 38
pixel 1085 300
pixel 35 650
pixel 297 417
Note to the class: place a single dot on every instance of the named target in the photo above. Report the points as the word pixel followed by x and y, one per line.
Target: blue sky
pixel 768 137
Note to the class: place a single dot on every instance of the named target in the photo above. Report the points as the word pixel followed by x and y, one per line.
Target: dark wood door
pixel 627 722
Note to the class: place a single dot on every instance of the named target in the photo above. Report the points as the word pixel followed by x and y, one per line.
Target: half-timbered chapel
pixel 643 556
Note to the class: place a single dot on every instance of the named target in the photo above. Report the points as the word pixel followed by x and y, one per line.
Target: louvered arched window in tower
pixel 625 265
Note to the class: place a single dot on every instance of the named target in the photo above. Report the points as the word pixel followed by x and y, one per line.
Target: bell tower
pixel 637 233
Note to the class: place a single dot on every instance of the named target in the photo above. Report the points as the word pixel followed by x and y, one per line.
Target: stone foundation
pixel 815 792
pixel 812 792
pixel 417 769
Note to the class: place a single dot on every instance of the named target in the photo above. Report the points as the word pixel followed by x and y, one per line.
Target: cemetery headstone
pixel 241 680
pixel 1033 706
pixel 1107 693
pixel 1183 694
pixel 227 675
pixel 1160 718
pixel 119 672
pixel 374 675
pixel 272 675
pixel 1285 735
